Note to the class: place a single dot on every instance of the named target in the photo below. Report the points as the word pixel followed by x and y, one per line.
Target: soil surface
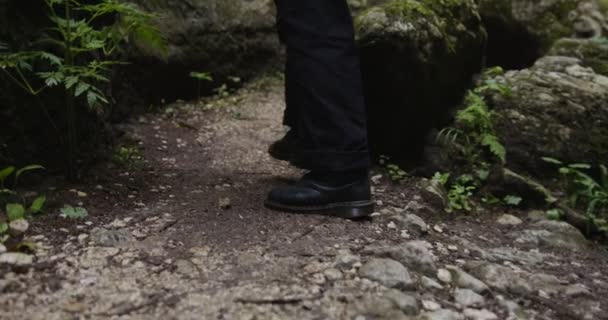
pixel 182 234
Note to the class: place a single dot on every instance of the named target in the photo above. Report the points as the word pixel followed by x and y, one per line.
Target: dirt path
pixel 184 236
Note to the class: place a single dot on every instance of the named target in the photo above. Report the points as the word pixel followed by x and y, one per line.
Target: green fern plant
pixel 584 191
pixel 78 55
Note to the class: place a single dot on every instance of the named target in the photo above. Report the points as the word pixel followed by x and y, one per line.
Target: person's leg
pixel 324 90
pixel 326 109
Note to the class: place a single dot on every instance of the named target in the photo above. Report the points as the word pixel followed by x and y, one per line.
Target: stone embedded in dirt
pixel 442 314
pixel 577 290
pixel 467 281
pixel 410 222
pixel 483 314
pixel 117 224
pixel 387 272
pixel 97 257
pixel 186 268
pixel 444 276
pixel 376 308
pixel 346 260
pixel 18 227
pixel 405 302
pixel 16 259
pixel 468 298
pixel 517 282
pixel 509 220
pixel 412 254
pixel 430 305
pixel 537 215
pixel 333 274
pixel 2 248
pixel 429 283
pixel 225 203
pixel 111 238
pixel 553 234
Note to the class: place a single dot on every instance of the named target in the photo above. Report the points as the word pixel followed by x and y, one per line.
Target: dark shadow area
pixel 511 48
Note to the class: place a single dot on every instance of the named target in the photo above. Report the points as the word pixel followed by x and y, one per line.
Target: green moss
pixel 592 52
pixel 449 18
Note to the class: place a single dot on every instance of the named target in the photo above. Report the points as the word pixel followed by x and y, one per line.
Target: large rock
pixel 593 53
pixel 223 37
pixel 530 27
pixel 418 58
pixel 557 109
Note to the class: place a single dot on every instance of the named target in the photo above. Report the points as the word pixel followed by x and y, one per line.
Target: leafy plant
pixel 394 172
pixel 78 55
pixel 584 191
pixel 13 203
pixel 474 127
pixel 200 77
pixel 459 192
pixel 127 156
pixel 70 212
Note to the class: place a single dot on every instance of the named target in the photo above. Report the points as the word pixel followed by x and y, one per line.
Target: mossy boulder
pixel 593 53
pixel 530 27
pixel 418 58
pixel 223 37
pixel 558 108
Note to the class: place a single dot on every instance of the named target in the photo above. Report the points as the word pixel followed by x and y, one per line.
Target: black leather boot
pixel 346 195
pixel 287 149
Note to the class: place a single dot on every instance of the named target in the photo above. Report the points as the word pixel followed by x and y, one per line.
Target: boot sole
pixel 287 157
pixel 346 210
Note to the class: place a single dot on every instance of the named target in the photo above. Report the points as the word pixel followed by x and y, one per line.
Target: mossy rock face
pixel 593 53
pixel 223 37
pixel 418 58
pixel 530 27
pixel 558 108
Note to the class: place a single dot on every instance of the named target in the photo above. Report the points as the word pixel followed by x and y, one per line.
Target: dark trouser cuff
pixel 335 161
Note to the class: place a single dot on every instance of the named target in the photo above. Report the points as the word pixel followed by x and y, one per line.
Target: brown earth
pixel 183 234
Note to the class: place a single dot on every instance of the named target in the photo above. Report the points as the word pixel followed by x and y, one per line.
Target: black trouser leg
pixel 324 94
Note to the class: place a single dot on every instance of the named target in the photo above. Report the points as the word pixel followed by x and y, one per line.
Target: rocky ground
pixel 184 235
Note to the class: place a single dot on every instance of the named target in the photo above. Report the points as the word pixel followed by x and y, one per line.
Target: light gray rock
pixel 468 298
pixel 376 308
pixel 509 220
pixel 2 248
pixel 553 234
pixel 484 314
pixel 405 302
pixel 413 254
pixel 444 276
pixel 16 259
pixel 505 279
pixel 442 314
pixel 333 274
pixel 387 272
pixel 97 257
pixel 18 227
pixel 466 281
pixel 429 283
pixel 111 238
pixel 411 222
pixel 553 108
pixel 346 260
pixel 186 268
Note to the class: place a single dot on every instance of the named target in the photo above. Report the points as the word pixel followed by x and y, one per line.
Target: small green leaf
pixel 15 211
pixel 552 161
pixel 554 214
pixel 583 166
pixel 4 173
pixel 28 168
pixel 513 200
pixel 81 87
pixel 74 213
pixel 3 228
pixel 38 204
